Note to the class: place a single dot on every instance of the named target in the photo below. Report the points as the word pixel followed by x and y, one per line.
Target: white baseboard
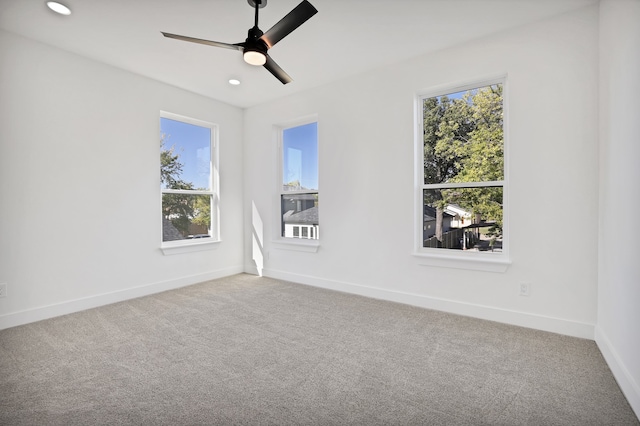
pixel 522 319
pixel 629 386
pixel 45 312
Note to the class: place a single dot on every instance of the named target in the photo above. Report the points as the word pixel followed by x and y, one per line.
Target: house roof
pixel 306 217
pixel 170 232
pixel 430 214
pixel 455 209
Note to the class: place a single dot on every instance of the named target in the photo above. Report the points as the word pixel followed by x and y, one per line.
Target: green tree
pixel 202 210
pixel 180 209
pixel 463 142
pixel 171 167
pixel 447 127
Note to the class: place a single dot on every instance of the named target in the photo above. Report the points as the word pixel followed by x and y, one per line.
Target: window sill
pixel 475 263
pixel 296 244
pixel 181 247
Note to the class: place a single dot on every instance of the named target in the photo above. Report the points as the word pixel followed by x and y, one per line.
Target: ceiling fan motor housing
pixel 259 3
pixel 254 43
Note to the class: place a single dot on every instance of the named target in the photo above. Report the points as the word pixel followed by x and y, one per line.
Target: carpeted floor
pixel 245 350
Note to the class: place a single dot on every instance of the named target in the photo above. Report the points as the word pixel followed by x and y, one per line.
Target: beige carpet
pixel 246 350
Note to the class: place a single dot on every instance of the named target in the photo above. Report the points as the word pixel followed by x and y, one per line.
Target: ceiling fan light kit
pixel 253 57
pixel 59 8
pixel 257 44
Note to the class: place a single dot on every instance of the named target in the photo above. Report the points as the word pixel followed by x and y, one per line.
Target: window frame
pixel 459 259
pixel 196 244
pixel 279 241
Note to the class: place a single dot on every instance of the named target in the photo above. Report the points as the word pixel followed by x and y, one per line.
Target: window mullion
pixel 493 183
pixel 285 193
pixel 187 191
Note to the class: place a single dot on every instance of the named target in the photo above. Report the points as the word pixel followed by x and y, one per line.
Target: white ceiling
pixel 344 38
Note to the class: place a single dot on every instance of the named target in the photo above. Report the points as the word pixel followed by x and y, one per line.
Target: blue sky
pixel 300 152
pixel 458 95
pixel 193 144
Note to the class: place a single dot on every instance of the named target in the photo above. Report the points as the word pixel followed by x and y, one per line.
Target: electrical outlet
pixel 525 289
pixel 3 289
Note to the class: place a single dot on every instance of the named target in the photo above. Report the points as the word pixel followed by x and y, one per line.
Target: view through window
pixel 186 175
pixel 299 196
pixel 462 194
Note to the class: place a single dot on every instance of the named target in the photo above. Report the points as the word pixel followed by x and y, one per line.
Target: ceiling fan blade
pixel 277 72
pixel 298 16
pixel 237 46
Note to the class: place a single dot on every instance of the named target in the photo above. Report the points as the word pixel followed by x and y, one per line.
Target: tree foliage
pixel 181 209
pixel 463 142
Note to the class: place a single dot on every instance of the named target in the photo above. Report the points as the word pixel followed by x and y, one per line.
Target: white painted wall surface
pixel 79 184
pixel 79 199
pixel 618 330
pixel 366 130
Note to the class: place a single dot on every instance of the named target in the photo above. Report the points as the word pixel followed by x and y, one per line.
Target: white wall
pixel 79 184
pixel 618 331
pixel 367 186
pixel 79 202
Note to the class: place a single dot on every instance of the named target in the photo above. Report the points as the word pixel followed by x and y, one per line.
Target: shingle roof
pixel 430 213
pixel 308 216
pixel 170 232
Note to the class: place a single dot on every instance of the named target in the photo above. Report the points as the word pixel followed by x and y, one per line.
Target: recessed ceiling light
pixel 58 8
pixel 234 82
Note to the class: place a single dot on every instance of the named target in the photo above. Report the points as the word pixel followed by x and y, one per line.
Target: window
pixel 461 172
pixel 188 181
pixel 299 182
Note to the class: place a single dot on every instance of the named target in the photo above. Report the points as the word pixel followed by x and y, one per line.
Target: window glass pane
pixel 463 218
pixel 185 155
pixel 186 216
pixel 299 210
pixel 300 158
pixel 463 136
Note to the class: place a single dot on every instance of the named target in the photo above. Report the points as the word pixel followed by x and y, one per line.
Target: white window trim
pixel 188 246
pixel 296 244
pixel 179 247
pixel 490 262
pixel 278 241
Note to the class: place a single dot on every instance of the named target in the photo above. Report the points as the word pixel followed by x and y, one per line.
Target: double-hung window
pixel 461 171
pixel 299 182
pixel 188 166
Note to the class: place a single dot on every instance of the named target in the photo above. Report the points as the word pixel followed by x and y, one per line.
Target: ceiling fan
pixel 257 44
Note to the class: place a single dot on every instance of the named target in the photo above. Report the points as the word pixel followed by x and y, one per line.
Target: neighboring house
pixel 298 202
pixel 453 217
pixel 303 224
pixel 429 222
pixel 461 217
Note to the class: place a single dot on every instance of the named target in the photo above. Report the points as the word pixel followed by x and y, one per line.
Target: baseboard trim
pixel 522 319
pixel 50 311
pixel 630 388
